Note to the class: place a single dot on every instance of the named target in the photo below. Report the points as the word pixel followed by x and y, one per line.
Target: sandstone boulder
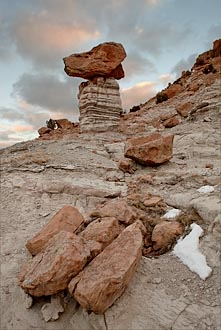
pixel 107 275
pixel 102 231
pixel 217 47
pixel 171 122
pixel 50 271
pixel 68 218
pixel 44 130
pixel 164 235
pixel 118 209
pixel 102 60
pixel 153 149
pixel 184 108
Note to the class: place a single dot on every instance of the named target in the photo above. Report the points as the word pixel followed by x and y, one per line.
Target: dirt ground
pixel 39 177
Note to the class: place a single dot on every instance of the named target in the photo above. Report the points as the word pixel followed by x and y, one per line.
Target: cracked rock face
pixel 106 277
pixel 68 219
pixel 153 149
pixel 50 271
pixel 99 105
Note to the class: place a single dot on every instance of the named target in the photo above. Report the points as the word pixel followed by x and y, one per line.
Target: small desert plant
pixel 199 61
pixel 161 97
pixel 209 68
pixel 135 108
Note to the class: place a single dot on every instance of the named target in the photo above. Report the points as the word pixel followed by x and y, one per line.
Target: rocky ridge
pixel 163 293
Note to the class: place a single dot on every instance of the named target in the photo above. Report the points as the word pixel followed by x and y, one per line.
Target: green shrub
pixel 161 97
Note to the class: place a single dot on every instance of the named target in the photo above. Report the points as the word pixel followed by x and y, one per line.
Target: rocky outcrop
pixel 153 149
pixel 106 277
pixel 57 129
pixel 99 105
pixel 68 218
pixel 50 271
pixel 102 60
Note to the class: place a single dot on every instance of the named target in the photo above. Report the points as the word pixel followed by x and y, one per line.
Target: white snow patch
pixel 187 250
pixel 171 214
pixel 205 189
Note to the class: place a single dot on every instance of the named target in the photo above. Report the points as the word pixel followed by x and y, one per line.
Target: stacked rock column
pixel 99 105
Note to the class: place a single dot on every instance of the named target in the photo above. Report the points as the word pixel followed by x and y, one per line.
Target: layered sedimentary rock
pixel 99 97
pixel 99 104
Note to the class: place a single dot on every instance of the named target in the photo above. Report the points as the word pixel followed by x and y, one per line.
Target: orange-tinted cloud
pixel 22 128
pixel 137 94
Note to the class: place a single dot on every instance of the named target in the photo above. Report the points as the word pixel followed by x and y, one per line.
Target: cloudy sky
pixel 161 38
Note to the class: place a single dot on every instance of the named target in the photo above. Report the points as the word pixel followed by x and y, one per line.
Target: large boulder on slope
pixel 153 149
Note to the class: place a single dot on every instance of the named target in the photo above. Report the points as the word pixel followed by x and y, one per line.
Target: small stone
pixel 152 201
pixel 51 311
pixel 165 233
pixel 157 280
pixel 127 165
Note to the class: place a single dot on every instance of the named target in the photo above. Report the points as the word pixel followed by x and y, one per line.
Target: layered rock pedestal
pixel 99 104
pixel 99 97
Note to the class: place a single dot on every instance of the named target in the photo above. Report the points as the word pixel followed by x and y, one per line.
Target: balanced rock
pixel 107 275
pixel 68 218
pixel 50 271
pixel 153 149
pixel 102 60
pixel 99 105
pixel 164 235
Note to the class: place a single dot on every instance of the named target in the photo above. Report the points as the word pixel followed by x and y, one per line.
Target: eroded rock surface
pixel 153 149
pixel 50 271
pixel 102 60
pixel 99 105
pixel 68 218
pixel 107 276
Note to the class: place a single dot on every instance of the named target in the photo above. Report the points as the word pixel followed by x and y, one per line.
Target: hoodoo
pixel 99 96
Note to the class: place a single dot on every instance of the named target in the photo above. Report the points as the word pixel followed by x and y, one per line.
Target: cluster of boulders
pixel 56 129
pixel 95 260
pixel 99 97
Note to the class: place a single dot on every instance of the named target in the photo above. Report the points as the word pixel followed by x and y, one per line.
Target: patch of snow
pixel 187 250
pixel 205 189
pixel 171 214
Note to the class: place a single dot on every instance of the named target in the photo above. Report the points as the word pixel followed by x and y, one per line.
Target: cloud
pixel 184 64
pixel 45 42
pixel 10 114
pixel 135 64
pixel 137 94
pixel 166 78
pixel 48 92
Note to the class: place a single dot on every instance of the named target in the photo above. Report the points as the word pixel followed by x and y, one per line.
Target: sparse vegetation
pixel 161 97
pixel 199 61
pixel 135 108
pixel 209 68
